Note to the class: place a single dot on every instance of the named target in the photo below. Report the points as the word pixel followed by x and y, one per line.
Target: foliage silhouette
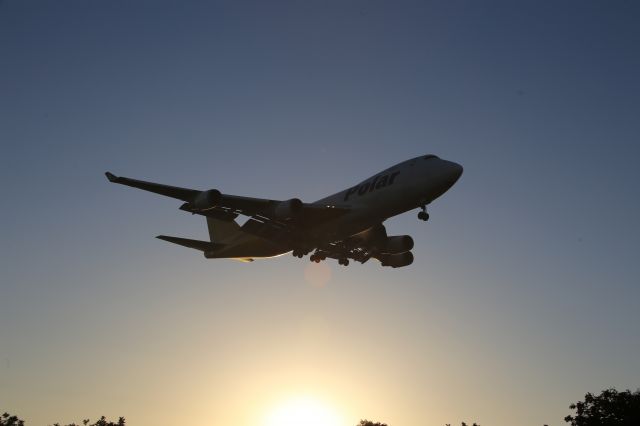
pixel 102 422
pixel 8 420
pixel 464 424
pixel 370 423
pixel 610 408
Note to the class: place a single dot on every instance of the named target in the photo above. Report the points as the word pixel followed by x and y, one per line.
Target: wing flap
pixel 262 210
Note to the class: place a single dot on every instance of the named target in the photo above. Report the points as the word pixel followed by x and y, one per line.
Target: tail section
pixel 221 230
pixel 222 235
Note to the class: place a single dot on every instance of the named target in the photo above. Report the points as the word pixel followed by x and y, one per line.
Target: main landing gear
pixel 299 253
pixel 317 257
pixel 423 215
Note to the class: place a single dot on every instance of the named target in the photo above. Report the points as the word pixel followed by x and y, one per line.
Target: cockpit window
pixel 426 157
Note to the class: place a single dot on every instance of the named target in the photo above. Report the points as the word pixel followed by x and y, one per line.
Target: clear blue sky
pixel 524 294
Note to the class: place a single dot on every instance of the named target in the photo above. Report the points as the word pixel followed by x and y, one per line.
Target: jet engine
pixel 396 260
pixel 396 244
pixel 206 200
pixel 287 209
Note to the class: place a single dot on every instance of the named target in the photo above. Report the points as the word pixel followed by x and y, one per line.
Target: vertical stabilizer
pixel 220 230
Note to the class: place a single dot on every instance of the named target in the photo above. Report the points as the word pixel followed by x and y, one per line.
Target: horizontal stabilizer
pixel 194 244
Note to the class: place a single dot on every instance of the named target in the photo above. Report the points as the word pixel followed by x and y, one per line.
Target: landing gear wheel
pixel 343 261
pixel 423 215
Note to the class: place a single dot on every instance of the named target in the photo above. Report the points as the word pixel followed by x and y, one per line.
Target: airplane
pixel 346 225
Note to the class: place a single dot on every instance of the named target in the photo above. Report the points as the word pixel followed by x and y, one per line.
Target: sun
pixel 303 410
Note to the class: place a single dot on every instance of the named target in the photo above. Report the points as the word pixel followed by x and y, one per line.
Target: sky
pixel 525 288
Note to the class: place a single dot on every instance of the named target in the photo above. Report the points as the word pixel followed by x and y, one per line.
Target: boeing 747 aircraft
pixel 343 226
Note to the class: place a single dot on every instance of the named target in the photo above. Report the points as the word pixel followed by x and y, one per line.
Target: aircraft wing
pixel 183 194
pixel 265 213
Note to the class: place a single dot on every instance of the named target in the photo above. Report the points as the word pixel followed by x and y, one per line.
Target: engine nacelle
pixel 206 200
pixel 396 260
pixel 287 209
pixel 396 244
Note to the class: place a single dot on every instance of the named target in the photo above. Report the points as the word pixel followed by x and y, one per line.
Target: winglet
pixel 111 177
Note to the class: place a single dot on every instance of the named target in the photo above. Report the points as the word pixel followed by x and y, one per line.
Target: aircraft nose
pixel 452 172
pixel 456 170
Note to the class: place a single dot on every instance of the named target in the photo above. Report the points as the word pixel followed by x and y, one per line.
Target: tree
pixel 370 423
pixel 8 420
pixel 610 408
pixel 102 422
pixel 464 424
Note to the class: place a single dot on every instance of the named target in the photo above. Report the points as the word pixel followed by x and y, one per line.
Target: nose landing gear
pixel 423 215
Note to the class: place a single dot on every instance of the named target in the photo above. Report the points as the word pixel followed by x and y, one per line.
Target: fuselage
pixel 405 186
pixel 398 189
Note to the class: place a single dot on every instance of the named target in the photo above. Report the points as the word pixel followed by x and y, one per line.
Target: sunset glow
pixel 303 411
